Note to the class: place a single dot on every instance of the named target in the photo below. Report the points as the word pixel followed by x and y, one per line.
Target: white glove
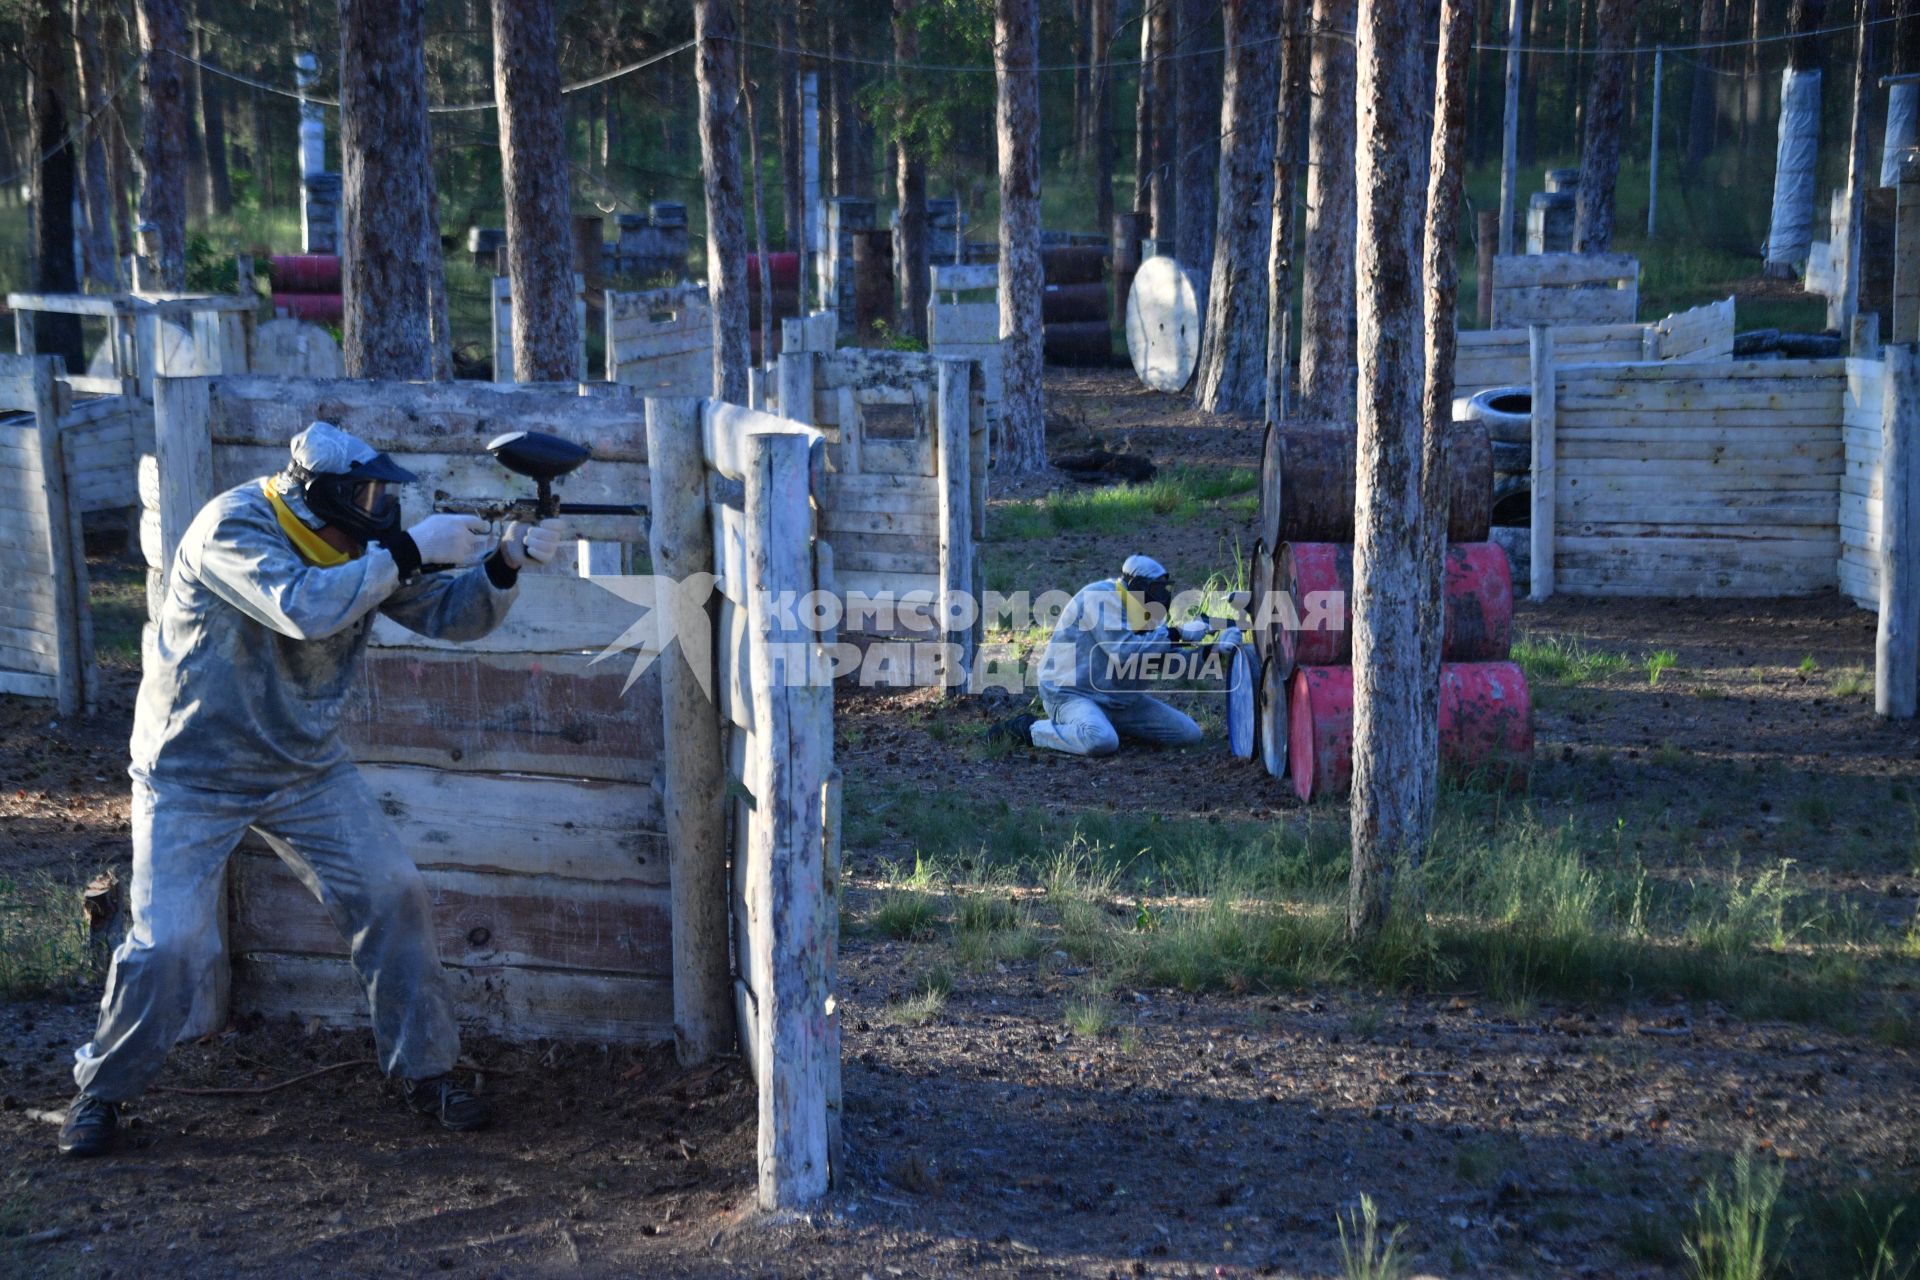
pixel 451 539
pixel 1194 630
pixel 525 542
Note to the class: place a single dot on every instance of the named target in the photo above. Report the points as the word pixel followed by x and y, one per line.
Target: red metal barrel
pixel 1069 302
pixel 304 272
pixel 1486 726
pixel 320 308
pixel 1479 603
pixel 785 268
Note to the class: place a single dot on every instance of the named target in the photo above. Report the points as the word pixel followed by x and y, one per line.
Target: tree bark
pixel 910 182
pixel 96 186
pixel 748 100
pixel 53 180
pixel 1327 288
pixel 113 38
pixel 209 92
pixel 1016 63
pixel 1753 96
pixel 1082 20
pixel 1233 356
pixel 1703 111
pixel 1100 115
pixel 1842 307
pixel 1446 166
pixel 720 173
pixel 1165 214
pixel 792 179
pixel 1600 161
pixel 1529 141
pixel 1197 128
pixel 1143 118
pixel 1388 685
pixel 386 175
pixel 163 144
pixel 533 172
pixel 842 124
pixel 1289 111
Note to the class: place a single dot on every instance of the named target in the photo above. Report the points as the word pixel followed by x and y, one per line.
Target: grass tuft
pixel 1732 1222
pixel 1565 660
pixel 1366 1256
pixel 43 936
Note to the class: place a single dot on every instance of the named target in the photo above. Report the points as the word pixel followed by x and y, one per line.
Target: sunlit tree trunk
pixel 719 86
pixel 533 170
pixel 163 143
pixel 1327 291
pixel 1016 61
pixel 1606 105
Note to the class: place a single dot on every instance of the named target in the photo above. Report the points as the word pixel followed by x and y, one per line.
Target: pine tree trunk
pixel 163 144
pixel 1327 287
pixel 386 171
pixel 213 129
pixel 1082 20
pixel 1703 110
pixel 94 182
pixel 1600 161
pixel 113 39
pixel 720 172
pixel 1754 96
pixel 1143 117
pixel 533 172
pixel 1529 140
pixel 1197 128
pixel 1165 141
pixel 765 281
pixel 439 322
pixel 1016 62
pixel 1388 683
pixel 1446 165
pixel 53 180
pixel 1845 302
pixel 1289 113
pixel 792 179
pixel 910 182
pixel 1233 353
pixel 1100 115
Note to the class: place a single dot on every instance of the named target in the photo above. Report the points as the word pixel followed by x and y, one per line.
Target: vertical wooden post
pixel 1653 146
pixel 954 463
pixel 1486 238
pixel 790 893
pixel 681 541
pixel 61 547
pixel 1540 363
pixel 1906 252
pixel 23 332
pixel 796 384
pixel 183 450
pixel 1510 128
pixel 1863 336
pixel 1897 646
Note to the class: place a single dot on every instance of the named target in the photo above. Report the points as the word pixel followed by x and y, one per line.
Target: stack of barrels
pixel 1302 598
pixel 1076 306
pixel 306 286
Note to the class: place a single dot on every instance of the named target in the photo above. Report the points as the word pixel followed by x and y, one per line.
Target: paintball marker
pixel 543 459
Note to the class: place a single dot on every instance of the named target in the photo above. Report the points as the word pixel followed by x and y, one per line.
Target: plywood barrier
pixel 1565 288
pixel 969 329
pixel 42 581
pixel 1498 357
pixel 1862 414
pixel 661 340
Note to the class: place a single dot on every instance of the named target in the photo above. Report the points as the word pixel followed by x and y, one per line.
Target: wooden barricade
pixel 969 330
pixel 42 641
pixel 661 340
pixel 1565 288
pixel 1489 358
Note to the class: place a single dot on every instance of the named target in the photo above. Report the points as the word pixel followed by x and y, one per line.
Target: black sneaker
pixel 1014 731
pixel 89 1127
pixel 456 1107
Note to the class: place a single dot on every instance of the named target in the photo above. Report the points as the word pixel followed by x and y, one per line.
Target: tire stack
pixel 306 286
pixel 1303 717
pixel 1507 413
pixel 1076 307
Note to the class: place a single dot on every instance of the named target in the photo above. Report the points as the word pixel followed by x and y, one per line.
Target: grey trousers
pixel 330 831
pixel 1083 727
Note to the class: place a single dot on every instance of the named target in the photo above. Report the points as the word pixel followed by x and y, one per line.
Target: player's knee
pixel 1098 740
pixel 1186 733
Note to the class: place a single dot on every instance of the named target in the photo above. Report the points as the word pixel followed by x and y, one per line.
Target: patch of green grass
pixel 1659 663
pixel 1366 1256
pixel 1872 1233
pixel 904 914
pixel 1565 660
pixel 1808 666
pixel 1181 493
pixel 916 1010
pixel 1852 682
pixel 43 936
pixel 1733 1223
pixel 1089 1016
pixel 117 599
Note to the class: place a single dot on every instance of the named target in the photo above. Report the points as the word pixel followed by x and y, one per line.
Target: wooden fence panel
pixel 661 340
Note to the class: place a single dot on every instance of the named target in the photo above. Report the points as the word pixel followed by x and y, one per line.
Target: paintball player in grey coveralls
pixel 269 605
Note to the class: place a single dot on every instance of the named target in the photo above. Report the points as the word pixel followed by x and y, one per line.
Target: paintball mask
pixel 1146 581
pixel 343 481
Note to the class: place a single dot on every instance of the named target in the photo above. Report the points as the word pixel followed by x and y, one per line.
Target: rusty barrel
pixel 785 268
pixel 1073 264
pixel 1307 482
pixel 1315 580
pixel 1486 726
pixel 1066 303
pixel 1080 342
pixel 304 272
pixel 1259 587
pixel 319 308
pixel 1272 718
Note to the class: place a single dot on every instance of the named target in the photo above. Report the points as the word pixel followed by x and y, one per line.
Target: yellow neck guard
pixel 1135 607
pixel 311 546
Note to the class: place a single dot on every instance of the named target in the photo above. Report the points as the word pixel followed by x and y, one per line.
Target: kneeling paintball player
pixel 268 608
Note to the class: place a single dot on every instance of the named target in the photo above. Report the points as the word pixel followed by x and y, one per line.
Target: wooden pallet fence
pixel 964 329
pixel 41 634
pixel 148 333
pixel 1565 288
pixel 1499 357
pixel 1714 478
pixel 661 340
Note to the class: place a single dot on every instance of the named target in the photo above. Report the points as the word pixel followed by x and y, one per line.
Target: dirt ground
pixel 1219 1136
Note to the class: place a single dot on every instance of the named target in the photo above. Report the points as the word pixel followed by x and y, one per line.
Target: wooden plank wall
pixel 1565 288
pixel 1489 358
pixel 969 330
pixel 1697 479
pixel 1862 413
pixel 661 340
pixel 40 635
pixel 522 778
